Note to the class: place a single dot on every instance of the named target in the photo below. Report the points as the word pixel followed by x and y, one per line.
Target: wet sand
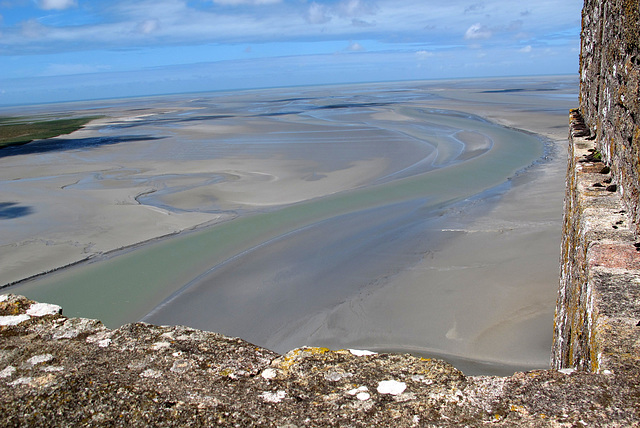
pixel 471 277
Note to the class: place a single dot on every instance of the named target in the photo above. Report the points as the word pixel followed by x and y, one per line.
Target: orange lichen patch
pixel 10 305
pixel 621 256
pixel 295 355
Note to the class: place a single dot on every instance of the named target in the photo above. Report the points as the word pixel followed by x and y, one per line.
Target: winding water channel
pixel 273 275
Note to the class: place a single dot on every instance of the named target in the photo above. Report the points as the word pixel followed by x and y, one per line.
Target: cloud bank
pixel 56 4
pixel 439 38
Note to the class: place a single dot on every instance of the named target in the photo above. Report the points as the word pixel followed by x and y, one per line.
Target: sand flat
pixel 472 276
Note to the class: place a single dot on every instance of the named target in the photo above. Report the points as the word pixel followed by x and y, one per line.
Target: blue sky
pixel 60 50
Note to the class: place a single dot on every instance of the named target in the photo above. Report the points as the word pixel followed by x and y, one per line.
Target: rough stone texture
pixel 58 371
pixel 610 91
pixel 598 305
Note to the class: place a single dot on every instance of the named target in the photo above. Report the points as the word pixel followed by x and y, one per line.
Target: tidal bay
pixel 411 216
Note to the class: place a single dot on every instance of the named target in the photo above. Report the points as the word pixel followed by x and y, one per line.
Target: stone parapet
pixel 58 371
pixel 598 306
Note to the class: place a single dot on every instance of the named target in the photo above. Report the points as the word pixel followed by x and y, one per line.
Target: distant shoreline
pixel 17 131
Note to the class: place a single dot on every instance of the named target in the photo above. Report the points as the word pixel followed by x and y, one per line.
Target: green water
pixel 124 287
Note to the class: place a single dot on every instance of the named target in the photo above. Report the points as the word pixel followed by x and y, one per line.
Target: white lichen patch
pixel 22 381
pixel 45 380
pixel 38 359
pixel 53 369
pixel 392 387
pixel 405 396
pixel 160 345
pixel 101 339
pixel 151 373
pixel 65 334
pixel 273 397
pixel 13 319
pixel 73 327
pixel 269 374
pixel 168 335
pixel 42 309
pixel 362 405
pixel 449 397
pixel 7 372
pixel 363 396
pixel 180 366
pixel 99 418
pixel 335 376
pixel 357 390
pixel 361 352
pixel 421 379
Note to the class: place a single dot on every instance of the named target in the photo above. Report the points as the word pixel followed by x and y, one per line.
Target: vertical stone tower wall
pixel 610 91
pixel 597 318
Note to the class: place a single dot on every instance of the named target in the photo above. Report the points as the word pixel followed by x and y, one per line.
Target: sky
pixel 64 50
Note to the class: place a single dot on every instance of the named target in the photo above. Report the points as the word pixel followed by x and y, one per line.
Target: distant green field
pixel 22 130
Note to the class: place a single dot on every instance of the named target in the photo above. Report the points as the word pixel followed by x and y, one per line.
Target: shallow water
pixel 274 273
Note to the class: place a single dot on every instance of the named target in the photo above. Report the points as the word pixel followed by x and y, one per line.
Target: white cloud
pixel 424 54
pixel 348 9
pixel 317 14
pixel 385 24
pixel 526 49
pixel 355 47
pixel 477 32
pixel 355 8
pixel 32 29
pixel 149 26
pixel 56 4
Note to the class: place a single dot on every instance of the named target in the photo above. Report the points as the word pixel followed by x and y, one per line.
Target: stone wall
pixel 610 91
pixel 598 311
pixel 598 306
pixel 58 371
